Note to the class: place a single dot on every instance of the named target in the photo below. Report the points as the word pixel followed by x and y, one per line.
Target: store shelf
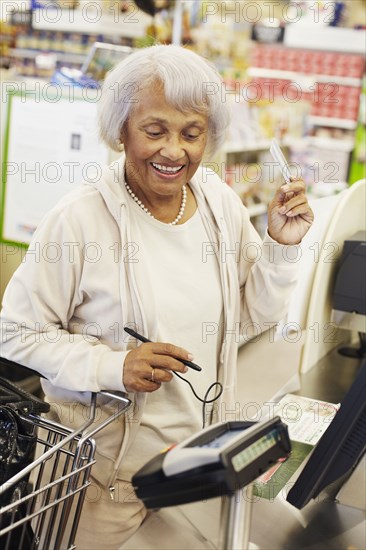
pixel 92 21
pixel 325 38
pixel 345 145
pixel 65 57
pixel 332 122
pixel 303 79
pixel 245 146
pixel 320 142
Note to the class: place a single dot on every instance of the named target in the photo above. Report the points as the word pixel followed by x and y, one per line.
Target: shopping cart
pixel 47 516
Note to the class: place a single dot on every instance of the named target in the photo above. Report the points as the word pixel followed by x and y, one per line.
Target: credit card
pixel 279 157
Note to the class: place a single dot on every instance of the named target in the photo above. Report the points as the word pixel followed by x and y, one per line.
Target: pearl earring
pixel 120 146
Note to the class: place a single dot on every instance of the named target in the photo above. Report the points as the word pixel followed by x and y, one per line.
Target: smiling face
pixel 163 146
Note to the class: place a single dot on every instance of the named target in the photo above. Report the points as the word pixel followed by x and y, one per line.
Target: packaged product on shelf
pixel 280 118
pixel 323 169
pixel 243 127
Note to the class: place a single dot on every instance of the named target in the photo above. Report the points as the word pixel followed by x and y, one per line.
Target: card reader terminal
pixel 217 461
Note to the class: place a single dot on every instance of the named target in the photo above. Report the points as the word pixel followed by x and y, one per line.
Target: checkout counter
pixel 276 524
pixel 333 525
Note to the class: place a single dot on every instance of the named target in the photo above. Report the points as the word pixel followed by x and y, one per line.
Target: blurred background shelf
pixel 63 57
pixel 92 20
pixel 300 78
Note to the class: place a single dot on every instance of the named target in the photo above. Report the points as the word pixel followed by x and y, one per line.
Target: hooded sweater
pixel 66 305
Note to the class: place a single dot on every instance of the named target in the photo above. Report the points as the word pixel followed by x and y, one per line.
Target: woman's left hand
pixel 289 213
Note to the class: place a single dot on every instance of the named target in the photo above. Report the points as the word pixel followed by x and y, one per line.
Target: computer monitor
pixel 103 57
pixel 339 450
pixel 349 294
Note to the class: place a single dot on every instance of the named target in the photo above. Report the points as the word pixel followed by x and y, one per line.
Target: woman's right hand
pixel 149 365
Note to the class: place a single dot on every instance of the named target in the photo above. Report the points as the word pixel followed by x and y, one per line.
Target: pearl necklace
pixel 141 204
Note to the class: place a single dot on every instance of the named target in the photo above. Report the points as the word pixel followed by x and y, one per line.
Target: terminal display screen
pixel 221 439
pixel 255 450
pixel 249 453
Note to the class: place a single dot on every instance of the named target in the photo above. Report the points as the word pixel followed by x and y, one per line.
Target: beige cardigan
pixel 66 305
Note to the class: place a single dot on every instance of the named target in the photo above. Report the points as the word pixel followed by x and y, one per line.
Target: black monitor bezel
pixel 327 468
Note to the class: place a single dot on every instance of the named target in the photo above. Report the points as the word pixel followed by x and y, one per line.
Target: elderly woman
pixel 175 257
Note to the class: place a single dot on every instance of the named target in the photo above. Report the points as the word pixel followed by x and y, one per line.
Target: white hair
pixel 190 83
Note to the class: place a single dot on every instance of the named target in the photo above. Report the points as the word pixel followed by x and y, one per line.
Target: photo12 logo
pixel 253 12
pixel 89 12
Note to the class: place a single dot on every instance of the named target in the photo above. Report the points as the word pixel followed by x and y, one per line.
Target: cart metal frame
pixel 59 480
